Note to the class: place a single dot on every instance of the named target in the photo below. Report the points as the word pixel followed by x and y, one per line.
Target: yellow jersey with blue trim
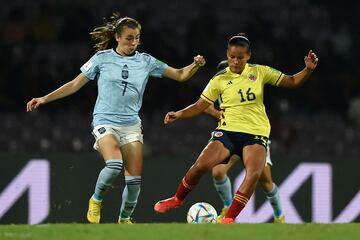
pixel 241 98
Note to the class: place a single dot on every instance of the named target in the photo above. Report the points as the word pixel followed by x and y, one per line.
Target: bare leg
pixel 133 158
pixel 220 170
pixel 272 194
pixel 213 154
pixel 254 161
pixel 109 148
pixel 265 181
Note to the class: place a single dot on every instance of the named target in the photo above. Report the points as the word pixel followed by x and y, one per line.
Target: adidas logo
pixel 229 83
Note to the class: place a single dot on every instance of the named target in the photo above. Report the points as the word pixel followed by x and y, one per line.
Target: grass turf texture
pixel 176 231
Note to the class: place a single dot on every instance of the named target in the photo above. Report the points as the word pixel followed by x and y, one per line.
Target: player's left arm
pixel 183 74
pixel 296 80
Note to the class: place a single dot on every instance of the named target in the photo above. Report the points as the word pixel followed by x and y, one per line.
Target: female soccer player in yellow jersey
pixel 222 182
pixel 244 129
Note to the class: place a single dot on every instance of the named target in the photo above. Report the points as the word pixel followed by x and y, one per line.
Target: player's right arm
pixel 63 91
pixel 188 112
pixel 185 73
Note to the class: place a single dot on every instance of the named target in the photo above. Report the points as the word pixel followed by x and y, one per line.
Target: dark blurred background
pixel 44 43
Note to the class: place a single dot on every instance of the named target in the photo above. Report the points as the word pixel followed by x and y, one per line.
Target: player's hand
pixel 171 117
pixel 199 60
pixel 311 60
pixel 34 103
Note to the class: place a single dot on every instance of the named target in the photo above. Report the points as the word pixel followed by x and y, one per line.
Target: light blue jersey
pixel 121 84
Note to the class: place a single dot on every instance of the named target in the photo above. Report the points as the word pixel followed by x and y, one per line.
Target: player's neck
pixel 238 70
pixel 122 53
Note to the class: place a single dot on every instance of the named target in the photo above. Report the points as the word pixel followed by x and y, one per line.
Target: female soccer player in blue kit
pixel 121 74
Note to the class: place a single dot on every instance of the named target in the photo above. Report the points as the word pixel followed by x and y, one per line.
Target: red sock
pixel 238 203
pixel 183 190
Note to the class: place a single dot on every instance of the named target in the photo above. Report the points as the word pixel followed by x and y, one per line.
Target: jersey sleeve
pixel 91 68
pixel 157 67
pixel 211 91
pixel 272 76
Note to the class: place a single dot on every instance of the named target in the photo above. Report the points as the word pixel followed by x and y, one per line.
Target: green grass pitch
pixel 175 231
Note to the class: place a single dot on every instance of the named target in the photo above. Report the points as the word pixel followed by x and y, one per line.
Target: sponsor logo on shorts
pixel 101 130
pixel 218 134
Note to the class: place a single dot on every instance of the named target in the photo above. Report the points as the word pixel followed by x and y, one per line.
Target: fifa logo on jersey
pixel 125 72
pixel 252 77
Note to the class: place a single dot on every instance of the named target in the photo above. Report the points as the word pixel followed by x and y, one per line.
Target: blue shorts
pixel 236 141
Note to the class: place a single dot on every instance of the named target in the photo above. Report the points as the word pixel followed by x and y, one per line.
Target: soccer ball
pixel 201 212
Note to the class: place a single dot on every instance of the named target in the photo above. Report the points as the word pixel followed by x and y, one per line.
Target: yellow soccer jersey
pixel 241 98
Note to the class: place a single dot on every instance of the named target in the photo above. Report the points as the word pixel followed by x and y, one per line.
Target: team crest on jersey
pixel 252 77
pixel 218 134
pixel 125 72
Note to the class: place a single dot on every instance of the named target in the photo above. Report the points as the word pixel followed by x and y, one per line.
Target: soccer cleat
pixel 125 221
pixel 165 205
pixel 227 221
pixel 280 219
pixel 93 214
pixel 222 214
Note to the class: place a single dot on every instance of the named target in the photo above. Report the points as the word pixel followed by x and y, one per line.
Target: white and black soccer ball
pixel 201 212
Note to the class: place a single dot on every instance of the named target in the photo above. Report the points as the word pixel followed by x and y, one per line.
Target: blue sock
pixel 223 188
pixel 130 195
pixel 107 177
pixel 274 198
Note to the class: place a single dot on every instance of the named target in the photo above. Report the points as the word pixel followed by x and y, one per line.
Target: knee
pixel 218 172
pixel 266 184
pixel 253 175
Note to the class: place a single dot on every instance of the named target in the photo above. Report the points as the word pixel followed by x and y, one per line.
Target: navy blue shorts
pixel 236 141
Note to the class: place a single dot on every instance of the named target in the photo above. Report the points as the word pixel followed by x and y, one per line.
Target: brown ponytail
pixel 104 36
